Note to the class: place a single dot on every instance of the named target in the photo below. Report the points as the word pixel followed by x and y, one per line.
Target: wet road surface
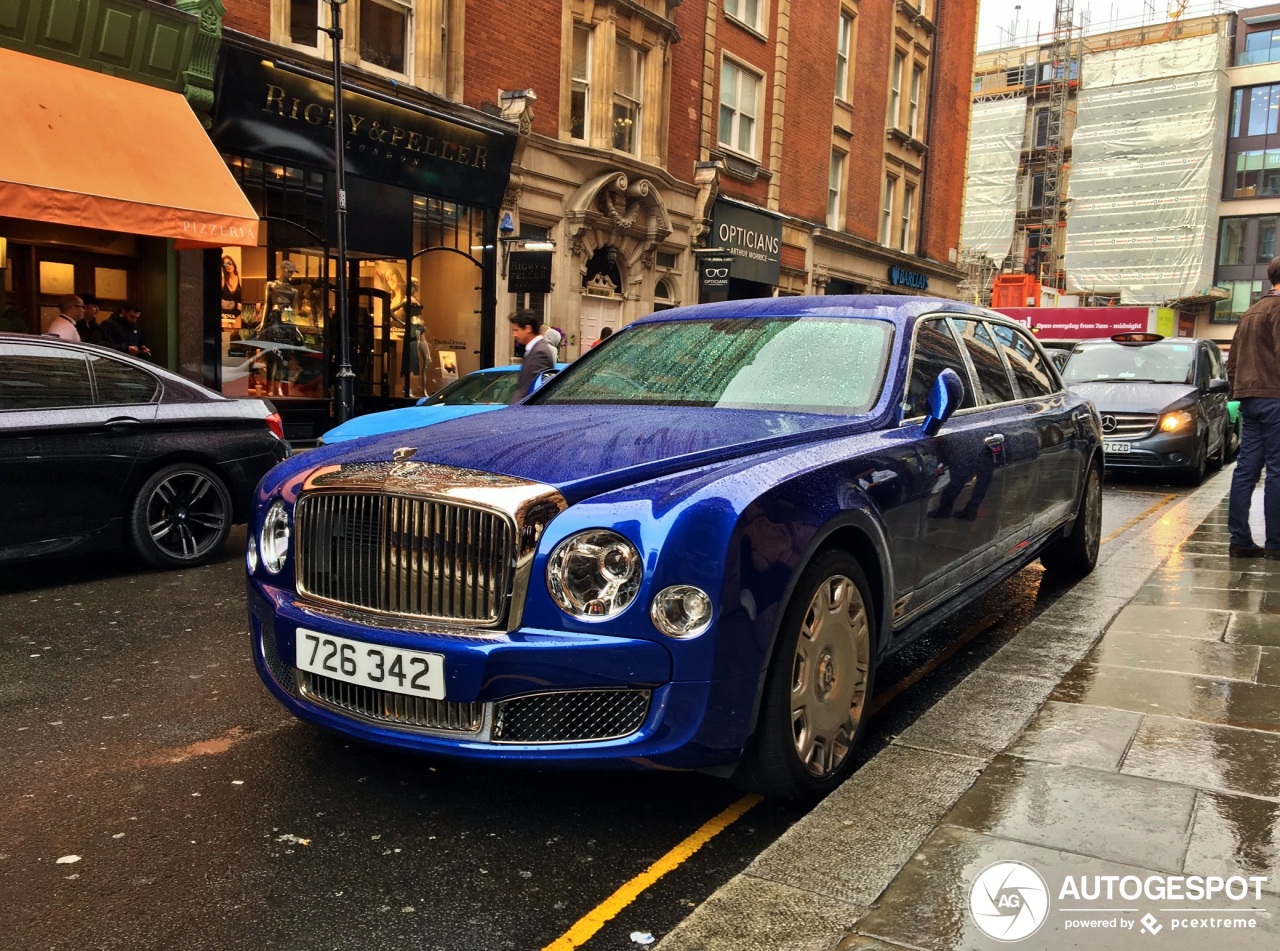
pixel 152 795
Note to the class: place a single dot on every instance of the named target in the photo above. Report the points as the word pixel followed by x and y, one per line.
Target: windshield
pixel 807 365
pixel 477 388
pixel 1174 363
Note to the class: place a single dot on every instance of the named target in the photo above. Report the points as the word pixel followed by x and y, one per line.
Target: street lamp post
pixel 345 407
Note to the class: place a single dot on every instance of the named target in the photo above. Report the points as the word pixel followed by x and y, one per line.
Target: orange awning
pixel 97 151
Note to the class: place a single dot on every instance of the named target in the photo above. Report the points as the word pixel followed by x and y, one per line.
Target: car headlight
pixel 681 611
pixel 594 574
pixel 251 554
pixel 1170 422
pixel 273 540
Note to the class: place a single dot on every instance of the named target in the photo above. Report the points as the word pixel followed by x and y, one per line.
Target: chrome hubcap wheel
pixel 186 515
pixel 829 676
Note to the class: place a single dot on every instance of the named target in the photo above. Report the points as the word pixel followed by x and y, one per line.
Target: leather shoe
pixel 1250 551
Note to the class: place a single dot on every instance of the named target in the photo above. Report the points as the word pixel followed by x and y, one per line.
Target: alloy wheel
pixel 186 515
pixel 829 676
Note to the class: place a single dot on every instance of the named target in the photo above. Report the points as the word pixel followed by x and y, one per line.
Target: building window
pixel 663 299
pixel 739 104
pixel 1231 241
pixel 1257 174
pixel 1040 135
pixel 384 34
pixel 835 191
pixel 1264 108
pixel 304 22
pixel 1237 111
pixel 580 94
pixel 895 90
pixel 1262 46
pixel 913 116
pixel 886 213
pixel 628 79
pixel 844 45
pixel 908 209
pixel 1037 190
pixel 746 12
pixel 1266 240
pixel 1244 294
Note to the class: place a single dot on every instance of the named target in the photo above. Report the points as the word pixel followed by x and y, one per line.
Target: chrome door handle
pixel 121 423
pixel 994 442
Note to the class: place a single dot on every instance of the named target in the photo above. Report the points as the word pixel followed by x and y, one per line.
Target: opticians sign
pixel 752 237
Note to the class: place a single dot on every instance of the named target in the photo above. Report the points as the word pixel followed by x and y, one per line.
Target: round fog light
pixel 681 611
pixel 251 554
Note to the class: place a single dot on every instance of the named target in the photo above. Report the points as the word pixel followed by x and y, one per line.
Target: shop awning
pixel 98 151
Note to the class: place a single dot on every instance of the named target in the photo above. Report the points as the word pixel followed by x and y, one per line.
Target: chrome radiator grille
pixel 406 556
pixel 1127 425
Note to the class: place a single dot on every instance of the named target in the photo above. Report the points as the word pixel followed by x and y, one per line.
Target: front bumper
pixel 537 696
pixel 1176 450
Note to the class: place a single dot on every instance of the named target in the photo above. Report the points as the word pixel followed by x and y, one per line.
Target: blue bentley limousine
pixel 691 549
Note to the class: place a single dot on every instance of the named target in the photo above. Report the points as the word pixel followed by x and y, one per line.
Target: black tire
pixel 818 688
pixel 180 517
pixel 1076 553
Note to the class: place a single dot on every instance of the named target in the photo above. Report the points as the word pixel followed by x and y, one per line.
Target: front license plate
pixel 1120 447
pixel 415 673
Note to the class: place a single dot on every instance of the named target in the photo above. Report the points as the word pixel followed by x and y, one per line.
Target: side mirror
pixel 1219 386
pixel 945 397
pixel 540 381
pixel 422 402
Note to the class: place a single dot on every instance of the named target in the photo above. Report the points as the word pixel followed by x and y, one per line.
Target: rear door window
pixel 1030 371
pixel 987 363
pixel 120 384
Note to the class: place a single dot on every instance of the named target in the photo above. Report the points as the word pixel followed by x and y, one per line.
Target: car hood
pixel 408 417
pixel 583 450
pixel 1114 397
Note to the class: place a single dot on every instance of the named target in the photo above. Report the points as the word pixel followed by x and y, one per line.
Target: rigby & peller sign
pixel 287 118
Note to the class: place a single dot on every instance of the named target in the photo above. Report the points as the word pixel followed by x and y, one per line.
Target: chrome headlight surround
pixel 681 611
pixel 594 575
pixel 273 539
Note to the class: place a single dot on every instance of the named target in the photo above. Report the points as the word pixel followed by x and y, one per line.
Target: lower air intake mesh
pixel 575 716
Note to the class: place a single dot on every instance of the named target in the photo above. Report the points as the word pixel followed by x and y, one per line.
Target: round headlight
pixel 274 539
pixel 251 554
pixel 681 611
pixel 594 574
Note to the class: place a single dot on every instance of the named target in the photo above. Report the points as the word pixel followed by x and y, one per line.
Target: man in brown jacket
pixel 1253 368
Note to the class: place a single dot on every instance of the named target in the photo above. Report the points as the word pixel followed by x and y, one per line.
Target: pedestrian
pixel 553 338
pixel 605 334
pixel 122 332
pixel 537 354
pixel 87 326
pixel 70 310
pixel 1253 367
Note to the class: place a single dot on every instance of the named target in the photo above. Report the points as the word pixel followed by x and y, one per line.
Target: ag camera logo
pixel 1009 901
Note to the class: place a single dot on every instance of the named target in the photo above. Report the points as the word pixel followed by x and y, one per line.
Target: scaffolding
pixel 1063 54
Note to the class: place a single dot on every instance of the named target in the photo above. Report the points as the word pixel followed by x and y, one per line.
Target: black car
pixel 99 449
pixel 1163 401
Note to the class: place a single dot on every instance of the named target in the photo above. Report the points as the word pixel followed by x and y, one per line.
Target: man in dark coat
pixel 537 354
pixel 123 333
pixel 90 331
pixel 1253 367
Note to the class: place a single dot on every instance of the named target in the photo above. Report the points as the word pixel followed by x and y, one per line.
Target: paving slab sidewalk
pixel 1127 738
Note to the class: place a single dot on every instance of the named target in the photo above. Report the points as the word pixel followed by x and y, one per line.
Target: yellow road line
pixel 596 919
pixel 1138 518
